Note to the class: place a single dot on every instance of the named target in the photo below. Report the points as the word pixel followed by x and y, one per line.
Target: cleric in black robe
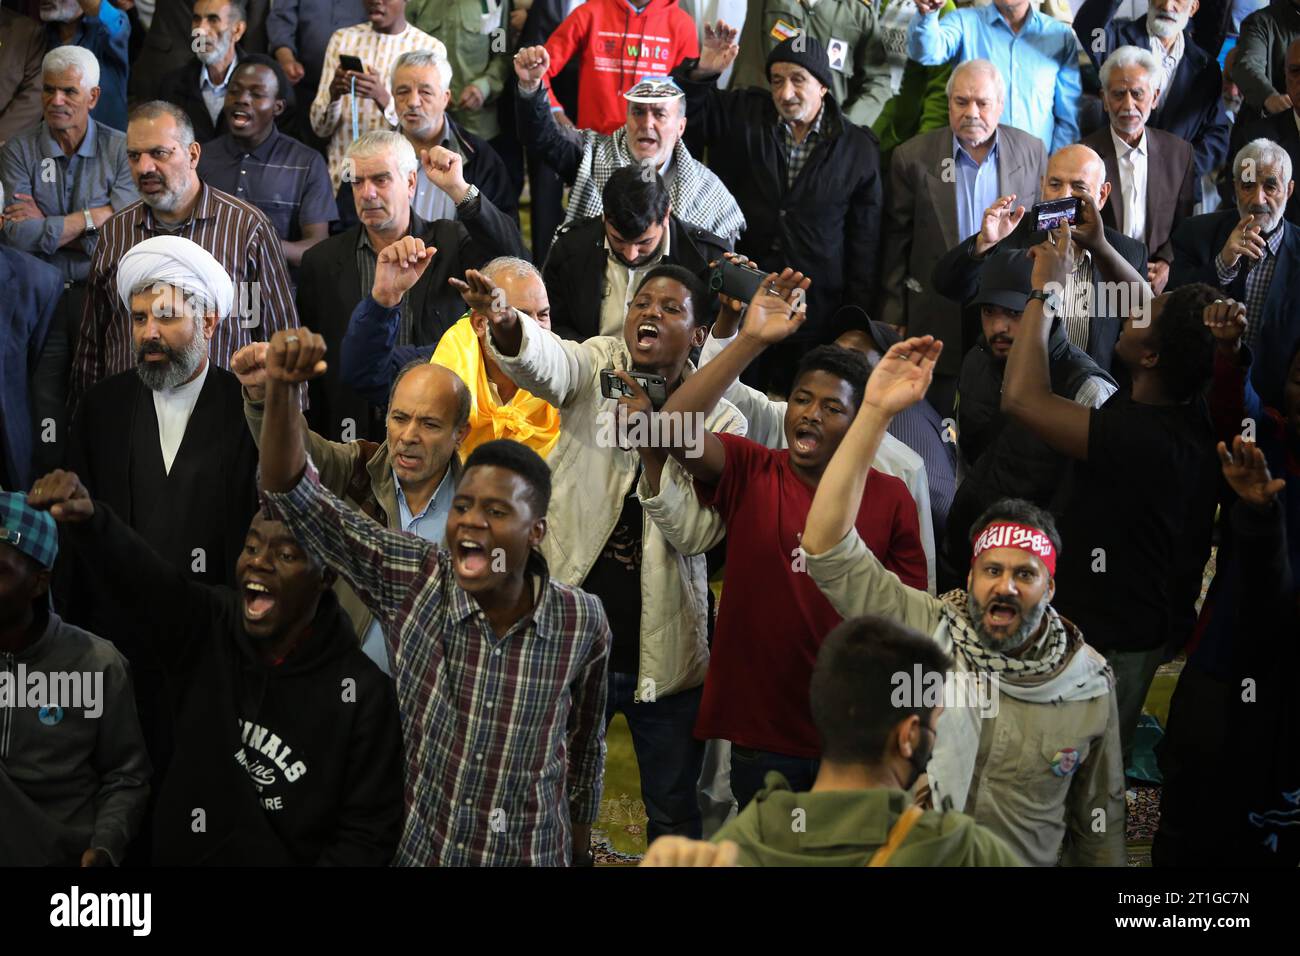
pixel 166 446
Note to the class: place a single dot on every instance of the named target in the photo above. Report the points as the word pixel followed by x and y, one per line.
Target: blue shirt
pixel 285 179
pixel 305 27
pixel 977 186
pixel 431 525
pixel 97 174
pixel 107 36
pixel 1039 65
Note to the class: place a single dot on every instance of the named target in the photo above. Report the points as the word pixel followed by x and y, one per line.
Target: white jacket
pixel 591 477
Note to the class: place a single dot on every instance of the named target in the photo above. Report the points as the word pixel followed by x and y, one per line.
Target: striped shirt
pixel 237 235
pixel 505 736
pixel 378 52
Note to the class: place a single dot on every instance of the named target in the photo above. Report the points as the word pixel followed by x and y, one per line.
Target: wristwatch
pixel 1051 301
pixel 470 197
pixel 90 221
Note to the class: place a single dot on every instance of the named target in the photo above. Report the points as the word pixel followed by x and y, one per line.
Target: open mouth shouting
pixel 259 600
pixel 806 439
pixel 240 119
pixel 647 334
pixel 471 557
pixel 407 460
pixel 1001 614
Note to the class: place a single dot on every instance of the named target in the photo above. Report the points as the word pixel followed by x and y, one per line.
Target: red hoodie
pixel 619 46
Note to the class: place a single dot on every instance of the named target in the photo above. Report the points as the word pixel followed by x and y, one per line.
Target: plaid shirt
pixel 500 732
pixel 797 153
pixel 1258 277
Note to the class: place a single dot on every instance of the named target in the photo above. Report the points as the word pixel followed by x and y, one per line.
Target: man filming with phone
pixel 1107 280
pixel 656 599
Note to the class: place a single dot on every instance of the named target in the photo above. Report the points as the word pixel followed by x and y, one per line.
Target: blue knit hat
pixel 32 532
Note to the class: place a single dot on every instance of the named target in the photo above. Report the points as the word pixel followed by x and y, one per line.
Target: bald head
pixel 428 417
pixel 1075 168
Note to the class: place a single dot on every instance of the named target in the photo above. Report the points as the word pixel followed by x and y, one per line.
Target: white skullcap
pixel 171 260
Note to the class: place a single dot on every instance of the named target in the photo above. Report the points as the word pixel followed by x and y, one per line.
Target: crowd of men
pixel 339 517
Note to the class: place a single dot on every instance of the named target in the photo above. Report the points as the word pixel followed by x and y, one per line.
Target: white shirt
pixel 1132 162
pixel 173 406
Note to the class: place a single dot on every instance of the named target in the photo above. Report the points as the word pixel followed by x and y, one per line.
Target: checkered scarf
pixel 699 198
pixel 1031 676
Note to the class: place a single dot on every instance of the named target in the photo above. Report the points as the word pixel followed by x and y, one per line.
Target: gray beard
pixel 217 53
pixel 180 367
pixel 1030 621
pixel 1163 29
pixel 61 14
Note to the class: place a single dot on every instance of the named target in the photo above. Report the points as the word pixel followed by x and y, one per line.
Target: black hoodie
pixel 295 764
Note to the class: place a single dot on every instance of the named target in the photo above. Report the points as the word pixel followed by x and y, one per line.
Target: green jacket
pixel 475 34
pixel 847 827
pixel 845 27
pixel 921 104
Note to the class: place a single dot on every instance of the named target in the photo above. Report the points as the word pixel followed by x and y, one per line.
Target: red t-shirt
pixel 772 617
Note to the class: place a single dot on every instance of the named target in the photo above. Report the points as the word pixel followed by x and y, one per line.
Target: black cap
pixel 806 51
pixel 848 318
pixel 1006 280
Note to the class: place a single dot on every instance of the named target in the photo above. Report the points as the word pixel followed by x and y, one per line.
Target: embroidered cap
pixel 654 89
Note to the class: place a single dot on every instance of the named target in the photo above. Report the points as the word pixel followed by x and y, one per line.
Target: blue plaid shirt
pixel 505 736
pixel 1257 281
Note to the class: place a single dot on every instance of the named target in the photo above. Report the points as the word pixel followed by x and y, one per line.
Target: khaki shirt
pixel 475 34
pixel 847 827
pixel 1048 779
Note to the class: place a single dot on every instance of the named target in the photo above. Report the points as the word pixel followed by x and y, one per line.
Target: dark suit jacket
pixel 575 270
pixel 211 489
pixel 922 222
pixel 958 272
pixel 167 45
pixel 1196 244
pixel 1192 107
pixel 31 294
pixel 329 288
pixel 1281 129
pixel 1171 187
pixel 181 86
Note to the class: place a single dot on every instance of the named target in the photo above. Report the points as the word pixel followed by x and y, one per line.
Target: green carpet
pixel 619 833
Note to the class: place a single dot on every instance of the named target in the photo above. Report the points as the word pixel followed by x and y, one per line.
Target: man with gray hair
pixel 1151 172
pixel 940 184
pixel 421 84
pixel 1282 128
pixel 174 201
pixel 335 273
pixel 1190 105
pixel 1252 254
pixel 199 87
pixel 58 217
pixel 163 443
pixel 651 138
pixel 101 28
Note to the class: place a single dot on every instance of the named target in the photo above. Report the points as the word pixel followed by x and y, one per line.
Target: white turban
pixel 171 260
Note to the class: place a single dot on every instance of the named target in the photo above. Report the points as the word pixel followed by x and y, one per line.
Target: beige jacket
pixel 358 472
pixel 1021 781
pixel 592 476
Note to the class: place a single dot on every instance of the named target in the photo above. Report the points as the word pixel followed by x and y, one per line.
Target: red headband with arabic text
pixel 1008 534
